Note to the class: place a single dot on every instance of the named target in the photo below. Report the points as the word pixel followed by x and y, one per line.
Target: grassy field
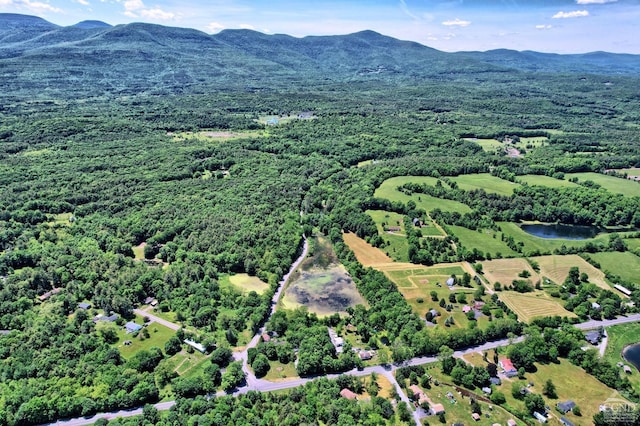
pixel 544 245
pixel 568 379
pixel 244 283
pixel 460 410
pixel 280 371
pixel 556 268
pixel 505 271
pixel 542 180
pixel 138 251
pixel 621 336
pixel 158 336
pixel 487 144
pixel 534 141
pixel 366 254
pixel 625 264
pixel 388 190
pixel 616 185
pixel 533 305
pixel 486 240
pixel 487 182
pixel 396 242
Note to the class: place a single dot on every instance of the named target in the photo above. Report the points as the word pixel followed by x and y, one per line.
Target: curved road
pixel 262 385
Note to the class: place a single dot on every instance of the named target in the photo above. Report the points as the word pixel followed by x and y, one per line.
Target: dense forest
pixel 194 172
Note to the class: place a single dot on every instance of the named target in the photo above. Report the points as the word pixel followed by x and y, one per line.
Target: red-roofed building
pixel 265 337
pixel 346 393
pixel 507 367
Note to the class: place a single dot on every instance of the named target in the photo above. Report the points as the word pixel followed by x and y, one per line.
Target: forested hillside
pixel 142 163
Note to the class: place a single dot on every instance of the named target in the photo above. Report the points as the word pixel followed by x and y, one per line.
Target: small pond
pixel 565 232
pixel 632 354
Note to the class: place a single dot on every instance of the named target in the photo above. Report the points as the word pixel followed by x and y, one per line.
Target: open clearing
pixel 556 268
pixel 621 336
pixel 158 336
pixel 533 305
pixel 396 244
pixel 486 144
pixel 532 244
pixel 505 271
pixel 489 183
pixel 485 240
pixel 388 191
pixel 624 264
pixel 626 187
pixel 245 283
pixel 321 283
pixel 366 254
pixel 542 180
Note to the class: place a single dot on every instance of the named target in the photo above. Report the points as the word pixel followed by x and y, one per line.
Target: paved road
pixel 159 320
pixel 387 371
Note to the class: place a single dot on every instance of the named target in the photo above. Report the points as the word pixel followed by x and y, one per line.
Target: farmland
pixel 626 187
pixel 388 191
pixel 543 180
pixel 626 265
pixel 487 144
pixel 534 305
pixel 556 268
pixel 485 240
pixel 485 181
pixel 395 241
pixel 366 254
pixel 505 271
pixel 531 243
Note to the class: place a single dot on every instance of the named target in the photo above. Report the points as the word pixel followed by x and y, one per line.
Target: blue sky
pixel 561 26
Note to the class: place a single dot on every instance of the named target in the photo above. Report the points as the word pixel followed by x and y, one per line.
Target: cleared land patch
pixel 624 264
pixel 388 190
pixel 485 240
pixel 486 144
pixel 556 268
pixel 245 283
pixel 533 305
pixel 542 180
pixel 489 183
pixel 626 187
pixel 322 284
pixel 505 271
pixel 366 254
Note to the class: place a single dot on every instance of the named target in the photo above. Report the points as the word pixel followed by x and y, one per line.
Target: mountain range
pixel 39 56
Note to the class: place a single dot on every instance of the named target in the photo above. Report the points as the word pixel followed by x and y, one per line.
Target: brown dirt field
pixel 366 254
pixel 557 268
pixel 505 271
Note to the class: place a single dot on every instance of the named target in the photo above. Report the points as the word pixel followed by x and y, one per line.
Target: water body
pixel 632 354
pixel 559 231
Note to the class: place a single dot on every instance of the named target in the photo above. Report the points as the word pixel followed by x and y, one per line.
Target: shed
pixel 132 327
pixel 197 346
pixel 466 308
pixel 365 355
pixel 627 369
pixel 437 409
pixel 84 305
pixel 265 337
pixel 475 416
pixel 495 381
pixel 565 421
pixel 346 393
pixel 511 422
pixel 541 418
pixel 486 390
pixel 451 281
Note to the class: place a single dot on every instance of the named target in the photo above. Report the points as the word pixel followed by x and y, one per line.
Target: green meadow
pixel 388 190
pixel 626 187
pixel 542 180
pixel 487 182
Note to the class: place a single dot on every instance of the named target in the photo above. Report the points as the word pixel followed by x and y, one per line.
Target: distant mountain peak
pixel 89 25
pixel 16 20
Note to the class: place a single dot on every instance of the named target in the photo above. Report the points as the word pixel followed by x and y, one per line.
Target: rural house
pixel 197 346
pixel 132 327
pixel 593 337
pixel 565 421
pixel 346 393
pixel 507 367
pixel 565 407
pixel 84 305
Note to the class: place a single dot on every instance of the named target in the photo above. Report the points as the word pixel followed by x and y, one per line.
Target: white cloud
pixel 595 1
pixel 247 27
pixel 406 11
pixel 214 27
pixel 456 23
pixel 157 14
pixel 543 27
pixel 33 6
pixel 574 14
pixel 130 5
pixel 83 2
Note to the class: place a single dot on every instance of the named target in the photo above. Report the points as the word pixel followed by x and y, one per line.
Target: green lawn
pixel 485 240
pixel 544 245
pixel 244 283
pixel 621 336
pixel 388 190
pixel 626 187
pixel 158 336
pixel 542 180
pixel 487 182
pixel 487 144
pixel 626 264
